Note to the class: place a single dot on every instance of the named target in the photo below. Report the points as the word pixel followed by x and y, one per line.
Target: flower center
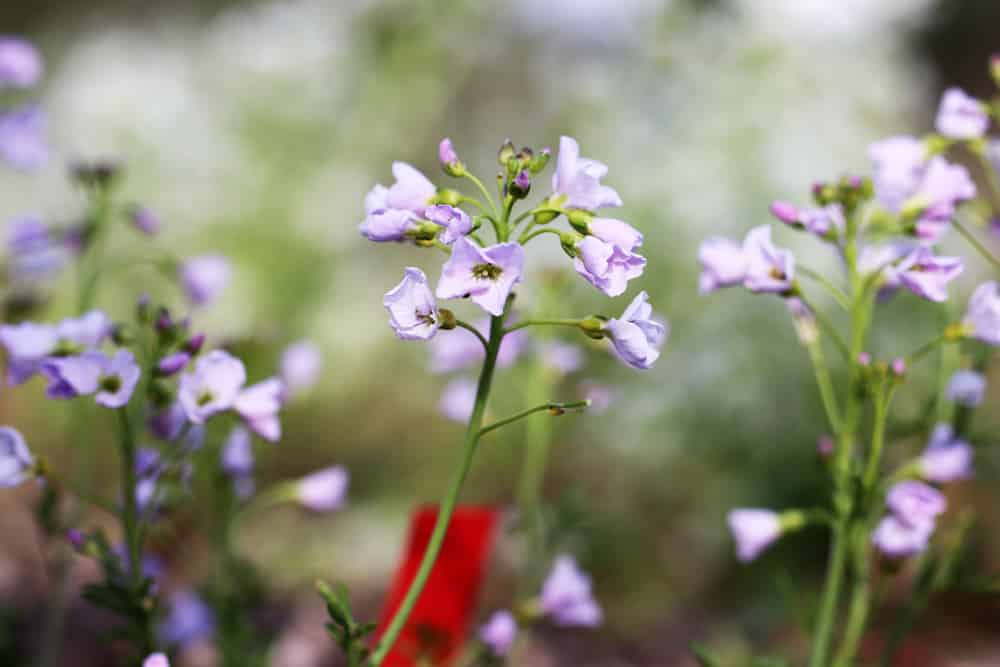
pixel 486 271
pixel 424 318
pixel 111 383
pixel 204 398
pixel 776 273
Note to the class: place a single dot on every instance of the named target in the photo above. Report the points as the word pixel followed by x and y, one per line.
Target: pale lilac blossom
pixel 457 399
pixel 898 539
pixel 983 315
pixel 33 253
pixel 446 152
pixel 301 365
pixel 205 277
pixel 566 596
pixel 927 275
pixel 259 405
pixel 188 619
pixel 898 166
pixel 324 490
pixel 28 344
pixel 156 660
pixel 213 387
pixel 412 191
pixel 387 224
pixel 20 63
pixel 961 116
pixel 601 396
pixel 487 275
pixel 111 379
pixel 946 458
pixel 237 457
pixel 579 179
pixel 413 312
pixel 754 530
pixel 723 264
pixel 17 464
pixel 769 268
pixel 915 503
pixel 86 332
pixel 499 632
pixel 455 221
pixel 966 387
pixel 22 138
pixel 563 358
pixel 636 337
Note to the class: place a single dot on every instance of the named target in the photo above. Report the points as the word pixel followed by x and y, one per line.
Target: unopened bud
pixel 448 196
pixel 172 364
pixel 898 367
pixel 505 153
pixel 121 335
pixel 569 241
pixel 957 331
pixel 541 160
pixel 447 318
pixel 785 212
pixel 580 220
pixel 593 326
pixel 865 359
pixel 194 344
pixel 521 185
pixel 142 309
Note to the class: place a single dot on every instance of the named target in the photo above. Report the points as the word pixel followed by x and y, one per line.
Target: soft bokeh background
pixel 255 129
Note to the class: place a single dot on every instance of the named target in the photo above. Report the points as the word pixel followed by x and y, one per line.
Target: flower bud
pixel 172 364
pixel 76 539
pixel 580 220
pixel 865 359
pixel 449 159
pixel 144 220
pixel 142 310
pixel 521 185
pixel 505 153
pixel 593 326
pixel 447 319
pixel 569 241
pixel 898 367
pixel 194 344
pixel 785 212
pixel 447 196
pixel 122 335
pixel 539 162
pixel 545 217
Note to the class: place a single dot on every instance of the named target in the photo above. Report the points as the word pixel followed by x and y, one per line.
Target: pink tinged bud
pixel 446 152
pixel 499 632
pixel 173 363
pixel 865 359
pixel 898 367
pixel 897 539
pixel 983 314
pixel 325 490
pixel 156 660
pixel 567 598
pixel 825 445
pixel 413 312
pixel 16 460
pixel 785 212
pixel 960 116
pixel 636 337
pixel 754 530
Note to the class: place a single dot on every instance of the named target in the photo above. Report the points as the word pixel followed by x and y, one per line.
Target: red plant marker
pixel 439 624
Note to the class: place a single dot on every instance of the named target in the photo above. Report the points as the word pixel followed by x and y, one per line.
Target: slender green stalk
pixel 976 244
pixel 447 508
pixel 882 402
pixel 838 294
pixel 486 196
pixel 474 330
pixel 555 408
pixel 538 232
pixel 826 392
pixel 927 348
pixel 857 613
pixel 130 508
pixel 542 323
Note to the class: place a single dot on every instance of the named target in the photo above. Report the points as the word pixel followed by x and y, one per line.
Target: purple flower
pixel 324 490
pixel 172 363
pixel 915 503
pixel 147 461
pixel 605 258
pixel 753 530
pixel 823 221
pixel 560 357
pixel 723 264
pixel 22 138
pixel 635 336
pixel 213 386
pixel 34 254
pixel 967 388
pixel 168 422
pixel 145 220
pixel 413 312
pixel 579 179
pixel 458 399
pixel 960 116
pixel 566 596
pixel 377 198
pixel 898 165
pixel 237 453
pixel 27 345
pixel 927 275
pixel 87 331
pixel 499 632
pixel 600 395
pixel 188 619
pixel 259 404
pixel 387 224
pixel 301 365
pixel 412 191
pixel 204 278
pixel 487 275
pixel 455 221
pixel 16 461
pixel 982 316
pixel 446 152
pixel 20 63
pixel 946 459
pixel 112 379
pixel 898 539
pixel 785 212
pixel 156 660
pixel 461 349
pixel 769 268
pixel 941 189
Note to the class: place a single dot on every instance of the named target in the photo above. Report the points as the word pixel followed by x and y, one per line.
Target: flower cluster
pixel 22 128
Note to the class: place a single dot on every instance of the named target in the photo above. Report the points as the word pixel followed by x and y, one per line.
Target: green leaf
pixel 703 657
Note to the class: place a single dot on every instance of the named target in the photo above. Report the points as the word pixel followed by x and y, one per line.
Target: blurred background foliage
pixel 255 129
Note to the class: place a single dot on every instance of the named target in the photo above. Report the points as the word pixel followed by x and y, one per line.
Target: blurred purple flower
pixel 769 268
pixel 412 191
pixel 946 459
pixel 324 490
pixel 982 316
pixel 20 63
pixel 27 345
pixel 499 632
pixel 915 503
pixel 487 275
pixel 898 539
pixel 561 357
pixel 237 453
pixel 16 460
pixel 941 189
pixel 927 275
pixel 898 165
pixel 821 221
pixel 34 254
pixel 413 312
pixel 213 386
pixel 579 179
pixel 455 221
pixel 156 660
pixel 457 399
pixel 204 278
pixel 145 220
pixel 259 405
pixel 87 331
pixel 600 395
pixel 301 365
pixel 22 138
pixel 960 116
pixel 753 530
pixel 967 388
pixel 166 424
pixel 635 336
pixel 112 379
pixel 566 596
pixel 187 620
pixel 723 264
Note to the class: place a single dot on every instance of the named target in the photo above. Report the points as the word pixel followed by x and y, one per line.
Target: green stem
pixel 542 323
pixel 130 511
pixel 556 409
pixel 486 196
pixel 927 348
pixel 857 613
pixel 447 508
pixel 538 232
pixel 469 327
pixel 834 291
pixel 826 392
pixel 976 244
pixel 882 402
pixel 827 327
